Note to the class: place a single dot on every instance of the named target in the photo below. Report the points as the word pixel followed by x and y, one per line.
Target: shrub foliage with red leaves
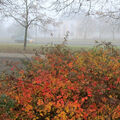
pixel 83 85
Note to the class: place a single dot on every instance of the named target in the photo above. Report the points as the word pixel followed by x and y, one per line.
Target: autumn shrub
pixel 6 104
pixel 63 85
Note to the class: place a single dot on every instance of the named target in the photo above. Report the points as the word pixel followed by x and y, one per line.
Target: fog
pixel 83 29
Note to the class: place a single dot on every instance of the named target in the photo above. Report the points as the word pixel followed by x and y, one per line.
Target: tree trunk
pixel 25 37
pixel 26 25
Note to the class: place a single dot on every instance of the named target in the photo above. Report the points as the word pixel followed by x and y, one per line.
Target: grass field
pixel 18 47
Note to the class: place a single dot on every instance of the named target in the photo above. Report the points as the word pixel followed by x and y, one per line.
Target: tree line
pixel 35 12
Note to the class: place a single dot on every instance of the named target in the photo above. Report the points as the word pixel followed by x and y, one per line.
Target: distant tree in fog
pixel 108 10
pixel 16 31
pixel 26 13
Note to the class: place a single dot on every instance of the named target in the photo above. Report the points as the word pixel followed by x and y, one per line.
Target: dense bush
pixel 63 85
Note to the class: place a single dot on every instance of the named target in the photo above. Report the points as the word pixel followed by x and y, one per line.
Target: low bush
pixel 63 85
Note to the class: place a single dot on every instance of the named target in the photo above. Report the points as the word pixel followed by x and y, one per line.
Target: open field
pixel 74 44
pixel 18 47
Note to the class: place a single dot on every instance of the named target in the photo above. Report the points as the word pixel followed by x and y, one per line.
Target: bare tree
pixel 73 6
pixel 107 8
pixel 26 13
pixel 110 9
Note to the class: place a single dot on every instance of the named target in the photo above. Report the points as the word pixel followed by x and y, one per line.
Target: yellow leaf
pixel 28 108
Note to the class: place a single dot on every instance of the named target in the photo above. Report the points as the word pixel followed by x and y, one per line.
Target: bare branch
pixel 16 19
pixel 105 8
pixel 26 13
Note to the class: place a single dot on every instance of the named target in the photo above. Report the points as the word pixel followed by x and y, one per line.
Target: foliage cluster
pixel 65 86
